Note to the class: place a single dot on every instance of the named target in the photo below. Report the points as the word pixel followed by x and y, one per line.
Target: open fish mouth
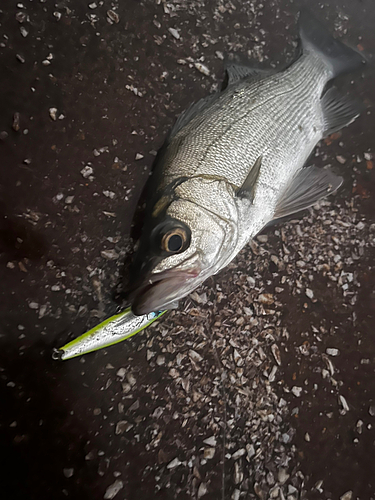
pixel 161 289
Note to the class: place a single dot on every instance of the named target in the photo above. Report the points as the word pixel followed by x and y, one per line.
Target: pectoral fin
pixel 309 186
pixel 247 190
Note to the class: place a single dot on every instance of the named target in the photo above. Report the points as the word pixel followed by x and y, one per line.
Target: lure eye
pixel 174 241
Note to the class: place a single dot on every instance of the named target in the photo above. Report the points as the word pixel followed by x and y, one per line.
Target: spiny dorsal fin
pixel 237 72
pixel 191 112
pixel 247 190
pixel 310 185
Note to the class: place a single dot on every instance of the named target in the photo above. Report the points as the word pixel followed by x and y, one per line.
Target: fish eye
pixel 174 240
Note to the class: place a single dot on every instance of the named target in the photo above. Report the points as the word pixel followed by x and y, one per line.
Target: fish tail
pixel 315 38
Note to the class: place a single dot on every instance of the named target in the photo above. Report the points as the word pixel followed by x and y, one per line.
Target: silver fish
pixel 234 161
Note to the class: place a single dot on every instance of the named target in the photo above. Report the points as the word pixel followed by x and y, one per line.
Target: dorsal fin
pixel 237 72
pixel 191 112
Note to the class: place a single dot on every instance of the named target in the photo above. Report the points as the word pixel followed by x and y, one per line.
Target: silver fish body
pixel 233 163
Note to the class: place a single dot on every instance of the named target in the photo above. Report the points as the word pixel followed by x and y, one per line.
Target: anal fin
pixel 338 110
pixel 310 185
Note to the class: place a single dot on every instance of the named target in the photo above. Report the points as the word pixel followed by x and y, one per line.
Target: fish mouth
pixel 161 289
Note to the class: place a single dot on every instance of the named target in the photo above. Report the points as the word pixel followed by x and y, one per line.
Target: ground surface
pixel 262 384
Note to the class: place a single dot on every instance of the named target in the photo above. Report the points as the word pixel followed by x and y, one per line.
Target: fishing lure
pixel 111 331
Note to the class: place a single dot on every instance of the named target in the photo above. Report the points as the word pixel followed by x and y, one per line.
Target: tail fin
pixel 315 38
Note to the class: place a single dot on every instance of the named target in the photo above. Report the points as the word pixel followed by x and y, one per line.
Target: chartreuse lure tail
pixel 111 331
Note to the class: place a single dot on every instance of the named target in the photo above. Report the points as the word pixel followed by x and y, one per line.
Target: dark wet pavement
pixel 95 100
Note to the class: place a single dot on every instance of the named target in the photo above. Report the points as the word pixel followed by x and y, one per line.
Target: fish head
pixel 176 254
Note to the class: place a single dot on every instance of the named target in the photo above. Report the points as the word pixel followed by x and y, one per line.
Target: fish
pixel 111 331
pixel 235 161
